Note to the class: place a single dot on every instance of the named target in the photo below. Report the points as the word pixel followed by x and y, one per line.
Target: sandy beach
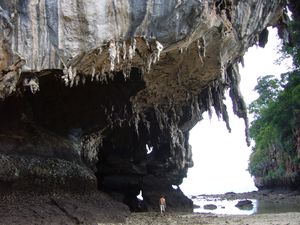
pixel 175 218
pixel 97 208
pixel 272 218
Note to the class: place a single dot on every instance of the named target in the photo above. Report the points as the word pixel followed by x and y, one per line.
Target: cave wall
pixel 108 90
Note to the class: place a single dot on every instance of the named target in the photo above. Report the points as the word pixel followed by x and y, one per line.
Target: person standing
pixel 162 205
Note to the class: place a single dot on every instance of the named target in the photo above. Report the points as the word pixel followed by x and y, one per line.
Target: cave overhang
pixel 118 86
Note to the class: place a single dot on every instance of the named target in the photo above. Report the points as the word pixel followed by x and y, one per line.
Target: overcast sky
pixel 221 158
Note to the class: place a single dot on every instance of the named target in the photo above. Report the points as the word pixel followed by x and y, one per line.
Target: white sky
pixel 221 158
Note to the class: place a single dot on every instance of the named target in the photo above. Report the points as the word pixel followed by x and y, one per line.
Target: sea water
pixel 227 207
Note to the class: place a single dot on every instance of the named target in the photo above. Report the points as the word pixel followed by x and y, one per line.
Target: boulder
pixel 210 207
pixel 244 204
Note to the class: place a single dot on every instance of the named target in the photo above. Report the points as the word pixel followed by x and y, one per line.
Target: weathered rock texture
pixel 34 208
pixel 107 91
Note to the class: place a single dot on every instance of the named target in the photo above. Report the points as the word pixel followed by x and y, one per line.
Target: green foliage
pixel 268 88
pixel 276 174
pixel 293 48
pixel 277 117
pixel 276 113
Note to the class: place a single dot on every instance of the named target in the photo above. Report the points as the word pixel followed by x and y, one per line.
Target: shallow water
pixel 227 207
pixel 280 207
pixel 223 206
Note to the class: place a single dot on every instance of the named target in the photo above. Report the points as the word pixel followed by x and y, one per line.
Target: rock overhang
pixel 113 77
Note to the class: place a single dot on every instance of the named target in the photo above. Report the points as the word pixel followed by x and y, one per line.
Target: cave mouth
pixel 139 158
pixel 60 123
pixel 97 125
pixel 94 132
pixel 88 105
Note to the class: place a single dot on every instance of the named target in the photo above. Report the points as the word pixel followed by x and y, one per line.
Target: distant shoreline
pixel 270 194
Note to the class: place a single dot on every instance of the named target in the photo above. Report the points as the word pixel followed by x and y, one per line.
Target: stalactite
pixel 131 49
pixel 135 119
pixel 223 73
pixel 149 63
pixel 174 140
pixel 178 3
pixel 124 47
pixel 121 55
pixel 99 51
pixel 10 78
pixel 117 52
pixel 241 60
pixel 32 83
pixel 111 76
pixel 77 79
pixel 220 107
pixel 239 106
pixel 103 78
pixel 83 80
pixel 93 73
pixel 112 54
pixel 69 75
pixel 201 47
pixel 90 145
pixel 196 107
pixel 126 74
pixel 216 99
pixel 209 102
pixel 74 74
pixel 65 76
pixel 225 117
pixel 158 117
pixel 98 77
pixel 146 123
pixel 158 50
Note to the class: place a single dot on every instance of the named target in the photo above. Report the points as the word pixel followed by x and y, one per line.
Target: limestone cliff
pixel 107 91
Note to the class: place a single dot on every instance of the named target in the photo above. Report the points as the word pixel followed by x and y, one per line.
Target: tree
pixel 268 88
pixel 276 125
pixel 277 113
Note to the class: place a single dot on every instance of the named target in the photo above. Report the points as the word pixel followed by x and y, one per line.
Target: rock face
pixel 106 91
pixel 34 208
